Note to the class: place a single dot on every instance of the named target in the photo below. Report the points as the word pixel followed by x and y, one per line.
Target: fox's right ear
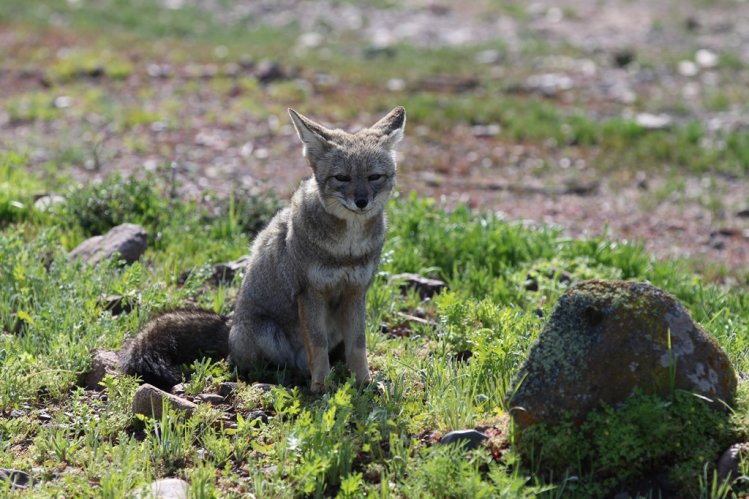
pixel 315 137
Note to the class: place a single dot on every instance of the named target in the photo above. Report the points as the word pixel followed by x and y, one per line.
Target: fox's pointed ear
pixel 391 126
pixel 315 137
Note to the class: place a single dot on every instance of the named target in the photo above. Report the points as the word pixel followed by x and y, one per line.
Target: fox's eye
pixel 342 178
pixel 374 177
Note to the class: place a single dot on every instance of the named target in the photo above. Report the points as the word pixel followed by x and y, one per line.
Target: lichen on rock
pixel 603 340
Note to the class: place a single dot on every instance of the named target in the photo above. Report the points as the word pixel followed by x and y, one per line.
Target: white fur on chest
pixel 331 277
pixel 356 242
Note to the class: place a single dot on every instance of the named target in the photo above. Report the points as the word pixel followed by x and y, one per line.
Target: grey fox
pixel 304 290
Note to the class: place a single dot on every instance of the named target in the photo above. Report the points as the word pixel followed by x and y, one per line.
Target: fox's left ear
pixel 391 126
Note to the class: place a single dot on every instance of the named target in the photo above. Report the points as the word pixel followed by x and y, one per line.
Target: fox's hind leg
pixel 255 343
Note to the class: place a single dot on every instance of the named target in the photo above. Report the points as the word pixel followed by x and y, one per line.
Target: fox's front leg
pixel 353 323
pixel 312 324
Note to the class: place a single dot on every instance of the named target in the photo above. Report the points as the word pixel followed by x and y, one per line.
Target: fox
pixel 303 295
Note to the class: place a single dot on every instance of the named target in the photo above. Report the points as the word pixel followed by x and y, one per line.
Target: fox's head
pixel 355 172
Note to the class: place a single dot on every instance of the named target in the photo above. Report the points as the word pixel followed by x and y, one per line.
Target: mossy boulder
pixel 604 340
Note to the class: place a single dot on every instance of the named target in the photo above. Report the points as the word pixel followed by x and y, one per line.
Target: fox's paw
pixel 323 386
pixel 363 377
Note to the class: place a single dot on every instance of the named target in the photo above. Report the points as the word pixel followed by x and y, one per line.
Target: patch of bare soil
pixel 219 144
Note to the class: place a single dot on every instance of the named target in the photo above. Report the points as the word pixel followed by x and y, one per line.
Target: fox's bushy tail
pixel 172 339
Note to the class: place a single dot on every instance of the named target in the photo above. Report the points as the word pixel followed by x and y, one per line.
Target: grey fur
pixel 304 291
pixel 171 339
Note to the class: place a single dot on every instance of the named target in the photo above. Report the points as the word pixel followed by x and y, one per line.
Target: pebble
pixel 654 121
pixel 473 438
pixel 168 488
pixel 149 401
pixel 16 478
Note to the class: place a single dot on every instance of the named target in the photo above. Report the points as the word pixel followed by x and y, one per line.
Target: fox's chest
pixel 328 277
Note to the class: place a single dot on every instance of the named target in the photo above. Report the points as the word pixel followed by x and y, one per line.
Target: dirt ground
pixel 702 217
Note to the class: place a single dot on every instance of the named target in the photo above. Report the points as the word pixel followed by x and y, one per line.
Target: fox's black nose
pixel 361 203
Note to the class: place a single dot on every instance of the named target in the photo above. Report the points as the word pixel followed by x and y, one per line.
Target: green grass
pixel 452 372
pixel 349 442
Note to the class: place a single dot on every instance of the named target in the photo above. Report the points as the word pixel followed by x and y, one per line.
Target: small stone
pixel 687 68
pixel 396 85
pixel 706 58
pixel 561 276
pixel 310 40
pixel 728 464
pixel 158 70
pixel 691 23
pixel 454 84
pixel 653 121
pixel 491 130
pixel 127 240
pixel 425 286
pixel 178 389
pixel 623 57
pixel 96 71
pixel 231 69
pixel 549 84
pixel 115 304
pixel 263 387
pixel 227 388
pixel 103 362
pixel 531 283
pixel 225 272
pixel 473 438
pixel 211 398
pixel 489 56
pixel 716 242
pixel 261 415
pixel 62 102
pixel 44 203
pixel 379 50
pixel 149 401
pixel 168 488
pixel 268 71
pixel 15 478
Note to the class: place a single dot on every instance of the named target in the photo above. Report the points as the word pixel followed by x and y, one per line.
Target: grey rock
pixel 168 488
pixel 222 272
pixel 425 286
pixel 211 398
pixel 603 340
pixel 473 438
pixel 623 57
pixel 489 56
pixel 263 387
pixel 654 121
pixel 490 130
pixel 227 388
pixel 225 272
pixel 44 203
pixel 129 240
pixel 728 464
pixel 261 415
pixel 150 401
pixel 16 478
pixel 103 362
pixel 268 71
pixel 115 304
pixel 549 84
